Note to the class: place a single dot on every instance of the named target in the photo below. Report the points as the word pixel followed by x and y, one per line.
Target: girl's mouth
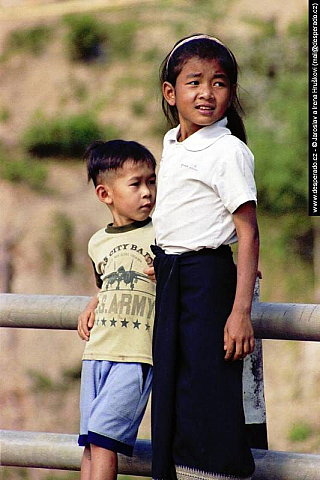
pixel 205 108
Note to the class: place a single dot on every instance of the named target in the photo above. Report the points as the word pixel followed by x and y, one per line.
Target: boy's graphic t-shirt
pixel 124 317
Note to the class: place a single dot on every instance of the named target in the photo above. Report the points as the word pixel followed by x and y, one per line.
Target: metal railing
pixel 60 451
pixel 285 321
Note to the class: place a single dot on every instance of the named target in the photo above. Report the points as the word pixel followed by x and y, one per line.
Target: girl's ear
pixel 104 193
pixel 169 93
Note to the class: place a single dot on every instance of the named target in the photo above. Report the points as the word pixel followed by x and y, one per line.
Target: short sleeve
pixel 97 276
pixel 233 178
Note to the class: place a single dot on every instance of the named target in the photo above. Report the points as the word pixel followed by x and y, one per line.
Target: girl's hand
pixel 238 331
pixel 86 319
pixel 151 274
pixel 238 336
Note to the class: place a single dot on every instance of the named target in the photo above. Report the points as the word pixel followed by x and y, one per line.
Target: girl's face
pixel 201 95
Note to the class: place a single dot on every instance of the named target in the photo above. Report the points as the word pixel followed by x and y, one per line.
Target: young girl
pixel 206 201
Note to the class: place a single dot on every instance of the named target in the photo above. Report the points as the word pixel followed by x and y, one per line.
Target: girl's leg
pixel 104 464
pixel 86 464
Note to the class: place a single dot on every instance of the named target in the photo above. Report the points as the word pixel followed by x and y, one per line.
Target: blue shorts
pixel 113 399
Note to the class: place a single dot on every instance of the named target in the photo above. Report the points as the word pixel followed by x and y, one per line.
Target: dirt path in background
pixel 31 9
pixel 36 9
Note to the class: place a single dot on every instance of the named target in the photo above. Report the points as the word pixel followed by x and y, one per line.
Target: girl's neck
pixel 184 134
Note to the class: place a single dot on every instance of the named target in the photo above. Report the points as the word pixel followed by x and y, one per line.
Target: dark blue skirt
pixel 197 411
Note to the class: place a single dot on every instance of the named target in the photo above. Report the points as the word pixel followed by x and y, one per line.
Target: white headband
pixel 196 37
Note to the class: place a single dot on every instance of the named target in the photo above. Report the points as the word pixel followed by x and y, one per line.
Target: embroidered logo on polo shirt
pixel 193 166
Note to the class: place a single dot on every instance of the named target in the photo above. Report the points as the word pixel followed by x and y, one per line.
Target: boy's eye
pixel 194 82
pixel 134 184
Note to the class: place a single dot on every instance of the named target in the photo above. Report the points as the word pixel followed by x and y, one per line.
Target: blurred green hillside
pixel 78 77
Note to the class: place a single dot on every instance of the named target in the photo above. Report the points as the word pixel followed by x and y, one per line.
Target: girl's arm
pixel 238 332
pixel 86 319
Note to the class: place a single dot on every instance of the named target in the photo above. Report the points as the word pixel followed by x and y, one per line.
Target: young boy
pixel 118 322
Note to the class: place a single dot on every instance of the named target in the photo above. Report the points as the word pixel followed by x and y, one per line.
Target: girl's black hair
pixel 206 48
pixel 104 156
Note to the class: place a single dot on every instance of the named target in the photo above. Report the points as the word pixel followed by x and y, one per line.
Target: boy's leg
pixel 86 464
pixel 98 464
pixel 104 464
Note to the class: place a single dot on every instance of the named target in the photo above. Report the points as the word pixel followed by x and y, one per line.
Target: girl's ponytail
pixel 235 123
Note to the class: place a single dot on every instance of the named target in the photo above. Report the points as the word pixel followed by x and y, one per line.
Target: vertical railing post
pixel 253 391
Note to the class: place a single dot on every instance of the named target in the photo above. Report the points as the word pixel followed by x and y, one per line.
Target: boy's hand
pixel 151 274
pixel 86 319
pixel 238 336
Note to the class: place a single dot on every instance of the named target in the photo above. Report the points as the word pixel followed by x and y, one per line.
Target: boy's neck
pixel 113 228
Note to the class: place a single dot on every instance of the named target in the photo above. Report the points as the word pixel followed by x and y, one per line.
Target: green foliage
pixel 28 40
pixel 138 108
pixel 63 237
pixel 40 382
pixel 25 171
pixel 281 148
pixel 88 39
pixel 72 374
pixel 63 136
pixel 278 130
pixel 299 432
pixel 85 38
pixel 79 90
pixel 65 476
pixel 122 36
pixel 43 383
pixel 4 115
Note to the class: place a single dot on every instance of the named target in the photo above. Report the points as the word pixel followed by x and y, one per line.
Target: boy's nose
pixel 146 191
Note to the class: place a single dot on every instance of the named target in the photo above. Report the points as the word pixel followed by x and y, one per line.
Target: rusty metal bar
pixel 60 451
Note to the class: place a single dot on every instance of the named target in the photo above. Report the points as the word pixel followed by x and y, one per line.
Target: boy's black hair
pixel 207 49
pixel 104 156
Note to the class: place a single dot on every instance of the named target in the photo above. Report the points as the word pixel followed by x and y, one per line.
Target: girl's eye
pixel 194 82
pixel 219 83
pixel 135 184
pixel 152 182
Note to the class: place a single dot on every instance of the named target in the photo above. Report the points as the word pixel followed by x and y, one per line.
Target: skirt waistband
pixel 222 250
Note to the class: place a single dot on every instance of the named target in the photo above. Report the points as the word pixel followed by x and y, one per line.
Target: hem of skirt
pixel 186 473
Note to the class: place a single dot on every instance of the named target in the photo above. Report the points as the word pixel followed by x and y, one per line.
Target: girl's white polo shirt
pixel 201 182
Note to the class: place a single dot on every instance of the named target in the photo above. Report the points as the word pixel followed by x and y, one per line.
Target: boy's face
pixel 130 192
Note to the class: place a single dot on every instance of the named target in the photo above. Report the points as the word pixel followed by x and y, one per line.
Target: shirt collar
pixel 201 139
pixel 127 228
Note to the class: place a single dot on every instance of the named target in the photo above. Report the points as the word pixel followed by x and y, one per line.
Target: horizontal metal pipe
pixel 60 451
pixel 286 321
pixel 41 311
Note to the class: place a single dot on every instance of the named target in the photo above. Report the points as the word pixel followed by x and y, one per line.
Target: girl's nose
pixel 207 92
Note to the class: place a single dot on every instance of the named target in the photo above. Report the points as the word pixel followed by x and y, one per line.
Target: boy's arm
pixel 86 319
pixel 238 332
